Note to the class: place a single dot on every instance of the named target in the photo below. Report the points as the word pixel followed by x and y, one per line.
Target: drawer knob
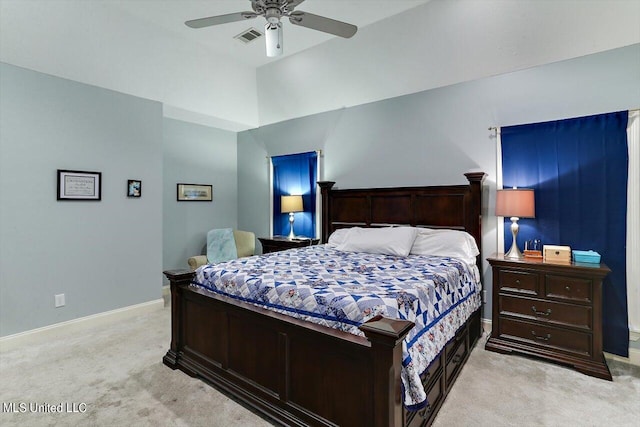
pixel 540 338
pixel 541 313
pixel 424 413
pixel 517 281
pixel 456 359
pixel 567 288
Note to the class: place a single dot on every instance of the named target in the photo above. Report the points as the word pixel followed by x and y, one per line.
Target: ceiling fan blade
pixel 220 19
pixel 320 23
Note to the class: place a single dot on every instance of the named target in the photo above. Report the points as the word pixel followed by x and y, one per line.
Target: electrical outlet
pixel 59 299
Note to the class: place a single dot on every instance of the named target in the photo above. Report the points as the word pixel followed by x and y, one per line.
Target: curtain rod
pixel 317 151
pixel 634 110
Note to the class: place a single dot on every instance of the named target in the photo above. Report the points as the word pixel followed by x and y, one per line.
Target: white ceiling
pixel 171 15
pixel 143 48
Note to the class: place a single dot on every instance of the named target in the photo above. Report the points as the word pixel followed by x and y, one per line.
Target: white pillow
pixel 447 243
pixel 337 237
pixel 388 241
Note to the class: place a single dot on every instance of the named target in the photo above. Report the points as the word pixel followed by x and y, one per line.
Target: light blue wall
pixel 196 154
pixel 109 254
pixel 102 255
pixel 433 137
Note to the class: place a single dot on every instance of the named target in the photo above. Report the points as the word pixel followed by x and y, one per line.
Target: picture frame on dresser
pixel 549 310
pixel 79 185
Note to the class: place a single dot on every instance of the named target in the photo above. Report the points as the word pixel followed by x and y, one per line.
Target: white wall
pixel 196 154
pixel 433 137
pixel 149 61
pixel 102 255
pixel 143 48
pixel 441 43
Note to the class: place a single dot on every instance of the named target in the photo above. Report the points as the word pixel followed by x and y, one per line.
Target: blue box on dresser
pixel 586 256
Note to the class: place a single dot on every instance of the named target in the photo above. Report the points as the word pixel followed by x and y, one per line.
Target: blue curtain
pixel 295 174
pixel 578 169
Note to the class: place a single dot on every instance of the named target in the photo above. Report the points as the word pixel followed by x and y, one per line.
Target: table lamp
pixel 290 205
pixel 515 203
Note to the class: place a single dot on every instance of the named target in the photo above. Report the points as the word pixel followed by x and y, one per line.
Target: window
pixel 293 175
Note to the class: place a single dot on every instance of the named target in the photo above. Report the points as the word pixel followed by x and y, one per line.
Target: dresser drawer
pixel 522 282
pixel 455 356
pixel 555 313
pixel 573 289
pixel 432 372
pixel 421 417
pixel 544 336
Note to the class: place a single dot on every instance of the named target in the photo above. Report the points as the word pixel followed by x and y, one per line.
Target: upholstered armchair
pixel 245 245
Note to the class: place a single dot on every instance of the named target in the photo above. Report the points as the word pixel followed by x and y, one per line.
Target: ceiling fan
pixel 273 10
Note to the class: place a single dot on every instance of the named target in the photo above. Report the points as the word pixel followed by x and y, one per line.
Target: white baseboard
pixel 633 359
pixel 486 326
pixel 11 342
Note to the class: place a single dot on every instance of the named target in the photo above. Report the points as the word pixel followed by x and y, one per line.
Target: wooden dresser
pixel 549 310
pixel 281 243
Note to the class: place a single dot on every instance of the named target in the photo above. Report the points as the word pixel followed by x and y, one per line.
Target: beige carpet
pixel 507 390
pixel 113 376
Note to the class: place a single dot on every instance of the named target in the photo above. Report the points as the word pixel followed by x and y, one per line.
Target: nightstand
pixel 548 310
pixel 281 243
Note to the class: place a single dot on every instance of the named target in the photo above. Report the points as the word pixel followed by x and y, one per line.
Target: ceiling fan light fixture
pixel 272 15
pixel 273 38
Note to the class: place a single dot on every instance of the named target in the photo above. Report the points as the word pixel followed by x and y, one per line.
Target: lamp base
pixel 291 236
pixel 514 252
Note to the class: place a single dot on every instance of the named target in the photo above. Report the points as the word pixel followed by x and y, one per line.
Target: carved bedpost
pixel 325 187
pixel 386 337
pixel 177 279
pixel 475 183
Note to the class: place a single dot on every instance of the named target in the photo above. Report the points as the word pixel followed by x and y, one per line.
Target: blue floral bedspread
pixel 342 290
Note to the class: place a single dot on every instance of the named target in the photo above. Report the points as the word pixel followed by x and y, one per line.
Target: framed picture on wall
pixel 134 188
pixel 195 193
pixel 79 185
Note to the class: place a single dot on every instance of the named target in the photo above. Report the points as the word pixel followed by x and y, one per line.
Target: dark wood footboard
pixel 297 373
pixel 292 371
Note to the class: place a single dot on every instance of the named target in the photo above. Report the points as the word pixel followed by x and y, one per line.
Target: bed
pixel 296 372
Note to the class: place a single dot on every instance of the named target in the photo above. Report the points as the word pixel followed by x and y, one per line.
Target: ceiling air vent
pixel 249 35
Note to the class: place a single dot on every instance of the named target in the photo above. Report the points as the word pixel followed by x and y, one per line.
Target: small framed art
pixel 79 185
pixel 134 188
pixel 195 192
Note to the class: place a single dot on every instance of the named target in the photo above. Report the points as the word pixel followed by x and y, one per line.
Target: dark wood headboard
pixel 444 206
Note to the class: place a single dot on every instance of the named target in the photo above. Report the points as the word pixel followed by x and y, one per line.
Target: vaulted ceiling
pixel 143 48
